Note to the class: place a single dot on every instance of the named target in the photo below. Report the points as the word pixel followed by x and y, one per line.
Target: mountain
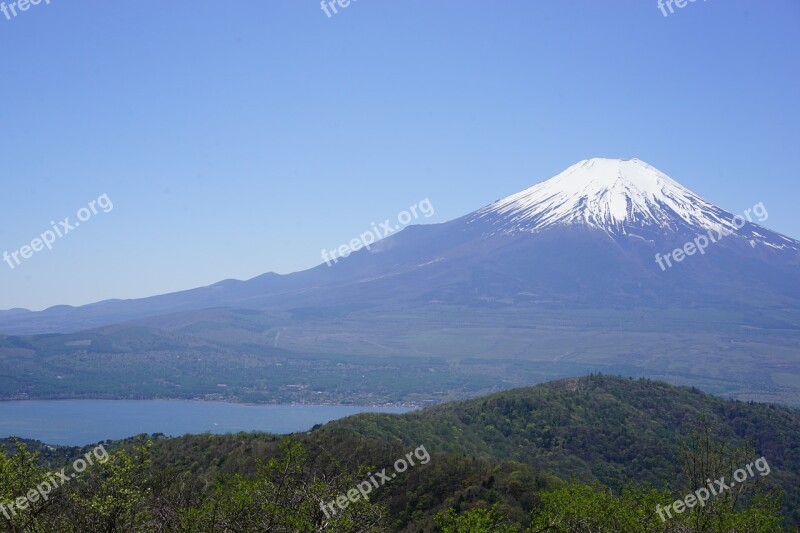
pixel 577 273
pixel 619 197
pixel 635 205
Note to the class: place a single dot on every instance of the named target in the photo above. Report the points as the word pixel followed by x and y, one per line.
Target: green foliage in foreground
pixel 479 519
pixel 578 508
pixel 125 494
pixel 284 495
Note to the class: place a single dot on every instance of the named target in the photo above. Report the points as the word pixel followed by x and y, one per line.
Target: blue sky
pixel 239 138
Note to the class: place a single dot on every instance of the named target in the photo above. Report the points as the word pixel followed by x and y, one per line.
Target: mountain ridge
pixel 645 215
pixel 565 298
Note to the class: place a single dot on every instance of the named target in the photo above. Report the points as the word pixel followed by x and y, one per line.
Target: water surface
pixel 81 422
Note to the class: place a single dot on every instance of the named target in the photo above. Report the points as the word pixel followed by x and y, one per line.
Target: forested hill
pixel 601 427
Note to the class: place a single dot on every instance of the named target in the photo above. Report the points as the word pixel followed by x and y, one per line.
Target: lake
pixel 81 422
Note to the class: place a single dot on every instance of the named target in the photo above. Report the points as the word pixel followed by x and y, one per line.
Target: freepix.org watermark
pixel 663 5
pixel 365 487
pixel 365 240
pixel 715 488
pixel 46 239
pixel 701 242
pixel 10 9
pixel 55 480
pixel 329 6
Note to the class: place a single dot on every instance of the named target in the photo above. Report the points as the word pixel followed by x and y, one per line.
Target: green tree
pixel 286 495
pixel 744 507
pixel 478 520
pixel 114 495
pixel 578 508
pixel 19 475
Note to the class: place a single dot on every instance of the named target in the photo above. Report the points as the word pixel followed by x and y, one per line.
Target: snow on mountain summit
pixel 614 195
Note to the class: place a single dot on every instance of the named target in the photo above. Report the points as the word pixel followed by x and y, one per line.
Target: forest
pixel 591 454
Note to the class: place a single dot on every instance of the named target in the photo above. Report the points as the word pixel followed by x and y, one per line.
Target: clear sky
pixel 237 138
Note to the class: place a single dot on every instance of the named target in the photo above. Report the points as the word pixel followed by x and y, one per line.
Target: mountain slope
pixel 556 280
pixel 529 236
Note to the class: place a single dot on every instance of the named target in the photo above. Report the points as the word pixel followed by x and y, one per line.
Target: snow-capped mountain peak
pixel 614 195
